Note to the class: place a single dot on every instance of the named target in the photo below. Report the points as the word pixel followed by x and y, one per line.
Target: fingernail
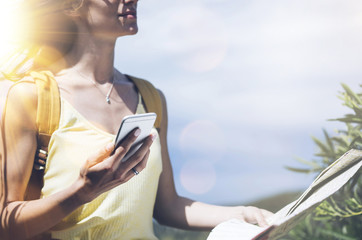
pixel 153 137
pixel 137 132
pixel 110 146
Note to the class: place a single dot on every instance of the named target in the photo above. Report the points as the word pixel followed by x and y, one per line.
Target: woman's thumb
pixel 99 156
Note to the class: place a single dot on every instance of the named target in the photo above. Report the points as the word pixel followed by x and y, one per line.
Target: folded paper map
pixel 328 182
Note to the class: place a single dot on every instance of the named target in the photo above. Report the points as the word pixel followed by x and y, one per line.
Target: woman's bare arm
pixel 101 172
pixel 20 144
pixel 176 211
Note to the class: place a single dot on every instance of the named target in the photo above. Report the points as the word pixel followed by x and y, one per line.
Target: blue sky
pixel 247 84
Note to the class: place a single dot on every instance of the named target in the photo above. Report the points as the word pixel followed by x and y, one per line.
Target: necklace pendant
pixel 108 100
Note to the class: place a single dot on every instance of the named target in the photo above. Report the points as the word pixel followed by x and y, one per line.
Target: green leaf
pixel 322 146
pixel 299 170
pixel 313 164
pixel 329 141
pixel 350 119
pixel 336 235
pixel 350 93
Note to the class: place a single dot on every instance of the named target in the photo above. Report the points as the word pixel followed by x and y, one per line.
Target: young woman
pixel 89 193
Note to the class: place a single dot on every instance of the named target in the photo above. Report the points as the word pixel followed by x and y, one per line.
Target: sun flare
pixel 9 27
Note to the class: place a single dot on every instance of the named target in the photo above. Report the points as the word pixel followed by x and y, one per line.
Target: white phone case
pixel 142 121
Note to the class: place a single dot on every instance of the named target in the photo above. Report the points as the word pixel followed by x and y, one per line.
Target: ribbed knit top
pixel 124 212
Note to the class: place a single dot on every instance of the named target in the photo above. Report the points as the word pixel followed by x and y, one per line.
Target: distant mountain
pixel 275 202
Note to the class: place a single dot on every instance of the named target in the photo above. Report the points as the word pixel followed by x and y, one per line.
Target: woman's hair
pixel 46 35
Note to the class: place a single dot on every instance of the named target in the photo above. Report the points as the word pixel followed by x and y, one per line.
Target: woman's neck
pixel 92 57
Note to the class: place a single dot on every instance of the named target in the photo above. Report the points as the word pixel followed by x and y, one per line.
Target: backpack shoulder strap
pixel 151 97
pixel 47 121
pixel 48 111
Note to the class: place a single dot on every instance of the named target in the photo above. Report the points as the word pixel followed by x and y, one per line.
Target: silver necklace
pixel 108 99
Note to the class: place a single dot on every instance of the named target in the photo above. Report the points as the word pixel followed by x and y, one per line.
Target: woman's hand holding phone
pixel 104 170
pixel 142 121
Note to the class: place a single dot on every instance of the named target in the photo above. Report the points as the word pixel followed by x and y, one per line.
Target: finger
pixel 128 175
pixel 148 142
pixel 127 142
pixel 125 145
pixel 135 171
pixel 266 213
pixel 268 216
pixel 40 162
pixel 112 152
pixel 260 219
pixel 122 171
pixel 99 156
pixel 42 154
pixel 107 159
pixel 141 165
pixel 122 179
pixel 139 155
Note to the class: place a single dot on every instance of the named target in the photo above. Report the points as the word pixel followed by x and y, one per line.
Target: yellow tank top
pixel 124 212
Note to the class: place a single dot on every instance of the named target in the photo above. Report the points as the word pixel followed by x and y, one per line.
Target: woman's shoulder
pixel 22 97
pixel 24 90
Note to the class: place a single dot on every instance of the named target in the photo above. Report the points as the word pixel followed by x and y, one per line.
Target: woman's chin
pixel 130 31
pixel 133 30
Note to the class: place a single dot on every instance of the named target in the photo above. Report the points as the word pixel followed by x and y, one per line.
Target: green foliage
pixel 330 209
pixel 340 216
pixel 326 229
pixel 168 233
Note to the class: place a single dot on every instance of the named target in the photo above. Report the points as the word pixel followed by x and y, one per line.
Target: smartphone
pixel 144 122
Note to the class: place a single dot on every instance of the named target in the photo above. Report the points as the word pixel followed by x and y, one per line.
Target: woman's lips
pixel 129 15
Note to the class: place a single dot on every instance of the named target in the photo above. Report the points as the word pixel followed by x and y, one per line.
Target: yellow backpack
pixel 48 115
